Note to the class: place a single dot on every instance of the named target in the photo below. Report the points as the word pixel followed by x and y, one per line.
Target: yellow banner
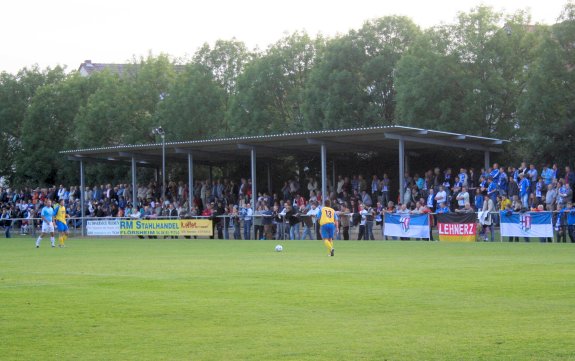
pixel 196 227
pixel 177 227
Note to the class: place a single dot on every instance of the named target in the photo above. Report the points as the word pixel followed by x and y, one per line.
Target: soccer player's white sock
pixel 52 240
pixel 38 241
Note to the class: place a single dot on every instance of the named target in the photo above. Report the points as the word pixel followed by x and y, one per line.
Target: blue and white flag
pixel 407 225
pixel 528 224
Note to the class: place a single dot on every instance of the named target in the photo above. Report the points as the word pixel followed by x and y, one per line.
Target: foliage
pixel 547 109
pixel 488 73
pixel 16 94
pixel 193 107
pixel 271 89
pixel 468 77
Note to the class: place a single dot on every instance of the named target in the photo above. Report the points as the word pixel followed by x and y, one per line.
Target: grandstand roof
pixel 340 141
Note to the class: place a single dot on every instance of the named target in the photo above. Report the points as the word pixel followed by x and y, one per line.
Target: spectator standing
pixel 524 188
pixel 441 196
pixel 267 222
pixel 532 175
pixel 462 198
pixel 550 198
pixel 248 219
pixel 344 219
pixel 258 223
pixel 486 218
pixel 6 221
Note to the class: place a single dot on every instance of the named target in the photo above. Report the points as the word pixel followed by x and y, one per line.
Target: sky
pixel 67 32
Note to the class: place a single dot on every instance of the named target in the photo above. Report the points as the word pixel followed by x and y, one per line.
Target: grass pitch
pixel 130 299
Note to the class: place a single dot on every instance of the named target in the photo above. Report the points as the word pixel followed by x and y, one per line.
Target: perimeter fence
pixel 483 227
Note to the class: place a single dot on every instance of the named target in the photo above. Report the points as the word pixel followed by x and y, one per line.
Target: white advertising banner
pixel 108 227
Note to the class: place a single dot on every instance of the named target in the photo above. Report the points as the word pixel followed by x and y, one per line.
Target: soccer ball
pixel 279 248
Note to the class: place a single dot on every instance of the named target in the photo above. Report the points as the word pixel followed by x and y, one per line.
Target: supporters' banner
pixel 179 227
pixel 109 227
pixel 407 225
pixel 457 227
pixel 528 224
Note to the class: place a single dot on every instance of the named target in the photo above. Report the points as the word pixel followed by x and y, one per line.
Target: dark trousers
pixel 361 233
pixel 258 232
pixel 346 233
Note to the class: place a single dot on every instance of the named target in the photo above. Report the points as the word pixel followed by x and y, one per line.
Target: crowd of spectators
pixel 361 202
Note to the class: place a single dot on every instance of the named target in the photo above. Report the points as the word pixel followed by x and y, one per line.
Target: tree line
pixel 488 74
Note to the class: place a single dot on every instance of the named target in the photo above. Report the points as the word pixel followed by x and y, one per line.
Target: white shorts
pixel 47 227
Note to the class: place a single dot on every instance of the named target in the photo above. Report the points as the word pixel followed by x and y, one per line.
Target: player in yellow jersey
pixel 61 224
pixel 329 224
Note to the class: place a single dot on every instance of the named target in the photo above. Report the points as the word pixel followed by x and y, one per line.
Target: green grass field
pixel 130 299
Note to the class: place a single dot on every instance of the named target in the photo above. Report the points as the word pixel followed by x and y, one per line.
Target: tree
pixel 467 77
pixel 335 94
pixel 48 128
pixel 226 61
pixel 271 89
pixel 194 107
pixel 353 84
pixel 16 94
pixel 385 40
pixel 429 85
pixel 547 107
pixel 122 109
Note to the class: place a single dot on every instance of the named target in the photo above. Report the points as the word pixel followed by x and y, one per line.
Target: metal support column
pixel 190 181
pixel 401 168
pixel 324 195
pixel 486 160
pixel 134 184
pixel 82 190
pixel 254 188
pixel 407 163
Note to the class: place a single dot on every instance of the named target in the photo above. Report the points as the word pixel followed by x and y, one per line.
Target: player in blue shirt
pixel 47 215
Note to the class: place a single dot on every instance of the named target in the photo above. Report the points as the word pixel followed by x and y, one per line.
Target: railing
pixel 233 226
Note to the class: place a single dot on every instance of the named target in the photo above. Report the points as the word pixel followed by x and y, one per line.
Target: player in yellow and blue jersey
pixel 61 223
pixel 329 223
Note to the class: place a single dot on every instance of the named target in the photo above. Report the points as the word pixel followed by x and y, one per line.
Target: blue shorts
pixel 62 227
pixel 327 230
